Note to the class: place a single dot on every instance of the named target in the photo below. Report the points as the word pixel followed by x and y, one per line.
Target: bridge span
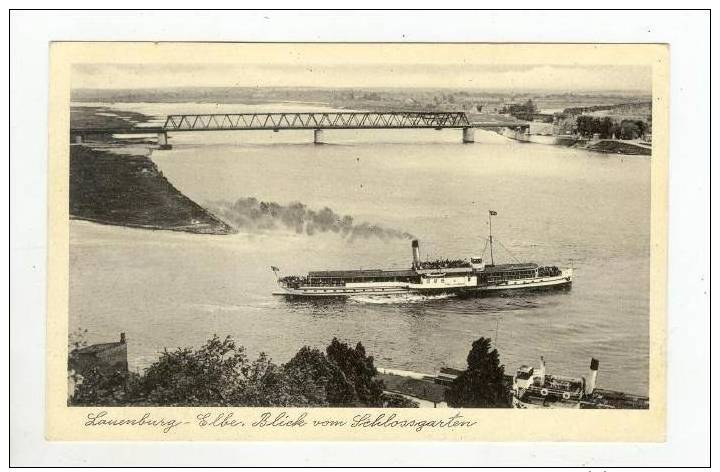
pixel 315 121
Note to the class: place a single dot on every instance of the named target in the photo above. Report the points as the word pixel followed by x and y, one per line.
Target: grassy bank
pixel 619 147
pixel 104 117
pixel 129 190
pixel 114 181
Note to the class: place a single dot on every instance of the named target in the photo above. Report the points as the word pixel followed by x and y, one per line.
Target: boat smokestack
pixel 590 385
pixel 416 253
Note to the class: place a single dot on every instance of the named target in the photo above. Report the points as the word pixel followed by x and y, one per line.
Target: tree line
pixel 607 128
pixel 219 373
pixel 524 111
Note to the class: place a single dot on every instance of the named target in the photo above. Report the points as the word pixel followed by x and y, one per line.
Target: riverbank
pixel 126 188
pixel 606 146
pixel 113 181
pixel 614 146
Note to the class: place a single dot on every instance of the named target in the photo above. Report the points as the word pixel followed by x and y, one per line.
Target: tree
pixel 482 384
pixel 584 125
pixel 641 127
pixel 359 369
pixel 269 385
pixel 630 129
pixel 606 127
pixel 530 107
pixel 589 125
pixel 324 381
pixel 219 374
pixel 212 375
pixel 76 340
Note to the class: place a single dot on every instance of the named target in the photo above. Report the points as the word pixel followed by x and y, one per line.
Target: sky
pixel 489 77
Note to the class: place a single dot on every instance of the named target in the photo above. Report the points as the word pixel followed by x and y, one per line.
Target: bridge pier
pixel 468 135
pixel 162 140
pixel 318 136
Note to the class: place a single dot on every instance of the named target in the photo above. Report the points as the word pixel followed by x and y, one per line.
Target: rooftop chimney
pixel 416 253
pixel 122 338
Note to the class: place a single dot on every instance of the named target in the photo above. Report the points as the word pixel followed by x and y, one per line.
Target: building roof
pixel 95 348
pixel 422 389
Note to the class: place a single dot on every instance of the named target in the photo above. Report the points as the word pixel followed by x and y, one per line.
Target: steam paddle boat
pixel 436 277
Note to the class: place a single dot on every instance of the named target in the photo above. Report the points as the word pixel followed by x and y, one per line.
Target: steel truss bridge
pixel 341 120
pixel 316 121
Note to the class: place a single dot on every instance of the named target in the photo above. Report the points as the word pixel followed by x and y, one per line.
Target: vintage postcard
pixel 329 241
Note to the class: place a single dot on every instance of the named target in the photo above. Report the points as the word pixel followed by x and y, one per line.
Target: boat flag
pixel 274 269
pixel 493 213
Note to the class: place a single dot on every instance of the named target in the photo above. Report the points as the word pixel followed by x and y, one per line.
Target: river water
pixel 555 205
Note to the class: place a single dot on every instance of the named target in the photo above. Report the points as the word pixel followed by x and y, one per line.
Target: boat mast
pixel 490 215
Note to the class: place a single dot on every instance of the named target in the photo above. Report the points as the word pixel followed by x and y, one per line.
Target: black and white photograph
pixel 370 233
pixel 392 238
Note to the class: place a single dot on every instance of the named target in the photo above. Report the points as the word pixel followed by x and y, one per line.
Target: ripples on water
pixel 555 205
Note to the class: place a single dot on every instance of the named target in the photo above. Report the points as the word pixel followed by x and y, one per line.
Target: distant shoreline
pixel 604 146
pixel 359 98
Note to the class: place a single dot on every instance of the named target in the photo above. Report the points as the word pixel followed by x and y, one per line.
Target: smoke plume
pixel 250 214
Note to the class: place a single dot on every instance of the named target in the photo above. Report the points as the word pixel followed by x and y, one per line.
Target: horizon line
pixel 316 87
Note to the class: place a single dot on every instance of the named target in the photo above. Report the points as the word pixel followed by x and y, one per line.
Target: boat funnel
pixel 590 385
pixel 416 253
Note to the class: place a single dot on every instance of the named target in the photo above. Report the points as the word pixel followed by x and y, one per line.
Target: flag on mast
pixel 274 269
pixel 493 213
